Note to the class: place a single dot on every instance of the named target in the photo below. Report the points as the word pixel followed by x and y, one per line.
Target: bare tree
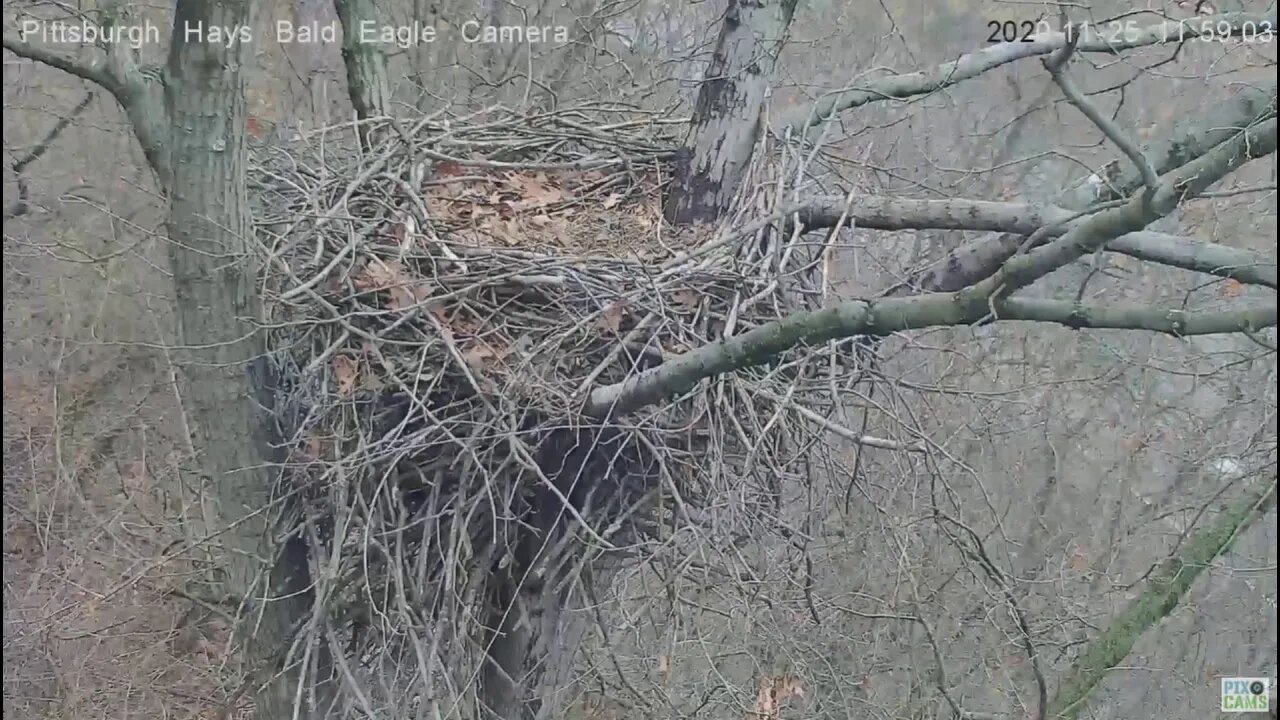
pixel 189 118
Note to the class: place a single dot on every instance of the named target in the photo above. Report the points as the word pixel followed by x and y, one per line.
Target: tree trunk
pixel 726 117
pixel 366 64
pixel 189 119
pixel 217 312
pixel 534 632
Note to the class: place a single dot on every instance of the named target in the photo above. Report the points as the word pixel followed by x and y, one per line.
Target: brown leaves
pixel 508 231
pixel 407 296
pixel 586 211
pixel 134 476
pixel 392 277
pixel 448 169
pixel 482 355
pixel 664 667
pixel 557 225
pixel 400 233
pixel 1133 442
pixel 536 191
pixel 480 197
pixel 1079 560
pixel 347 373
pixel 379 275
pixel 686 299
pixel 772 693
pixel 613 316
pixel 253 127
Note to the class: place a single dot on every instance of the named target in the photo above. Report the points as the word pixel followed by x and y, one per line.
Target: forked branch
pixel 971 65
pixel 973 304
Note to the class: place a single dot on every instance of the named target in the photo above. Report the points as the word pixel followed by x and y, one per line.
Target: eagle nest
pixel 454 315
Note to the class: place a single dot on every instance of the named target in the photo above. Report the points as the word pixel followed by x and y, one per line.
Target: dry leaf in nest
pixel 482 355
pixel 643 214
pixel 477 211
pixel 438 312
pixel 535 191
pixel 472 237
pixel 1079 560
pixel 551 229
pixel 408 295
pixel 392 277
pixel 773 691
pixel 399 232
pixel 508 231
pixel 448 168
pixel 253 127
pixel 134 476
pixel 346 372
pixel 379 275
pixel 686 299
pixel 612 201
pixel 612 317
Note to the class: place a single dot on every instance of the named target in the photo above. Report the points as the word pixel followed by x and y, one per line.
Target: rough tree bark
pixel 366 64
pixel 189 118
pixel 726 117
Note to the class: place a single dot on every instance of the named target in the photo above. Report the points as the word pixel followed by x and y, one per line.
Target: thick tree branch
pixel 1136 317
pixel 140 96
pixel 883 317
pixel 979 259
pixel 366 63
pixel 1095 231
pixel 968 66
pixel 98 72
pixel 1163 591
pixel 975 261
pixel 1205 257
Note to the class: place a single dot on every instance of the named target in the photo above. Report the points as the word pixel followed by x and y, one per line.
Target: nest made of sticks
pixel 442 305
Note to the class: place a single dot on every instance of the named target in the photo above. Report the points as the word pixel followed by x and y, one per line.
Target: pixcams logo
pixel 1246 695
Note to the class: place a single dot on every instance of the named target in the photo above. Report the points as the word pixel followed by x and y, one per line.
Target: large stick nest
pixel 440 308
